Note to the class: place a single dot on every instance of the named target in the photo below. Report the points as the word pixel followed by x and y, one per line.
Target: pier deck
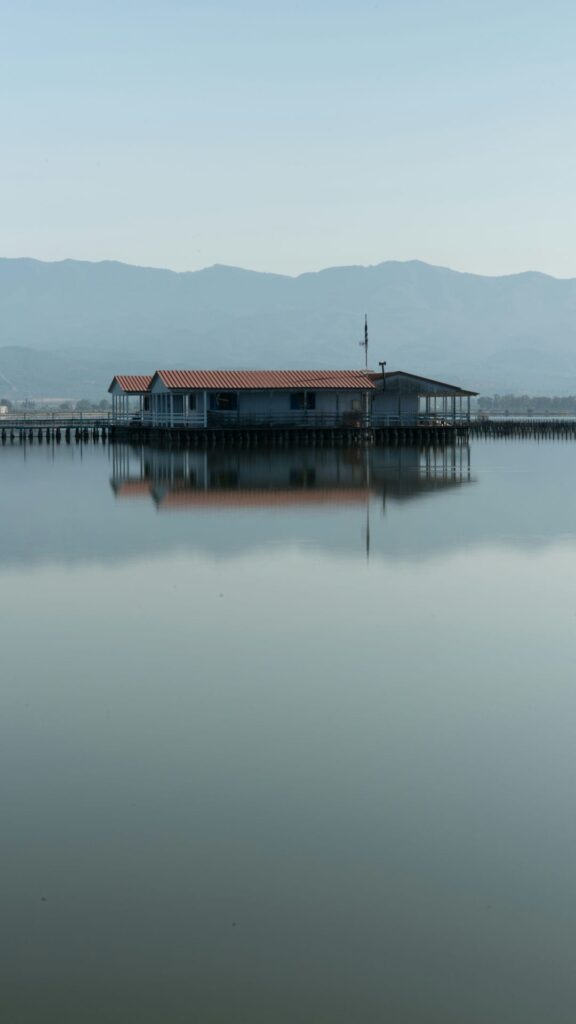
pixel 263 435
pixel 55 429
pixel 81 429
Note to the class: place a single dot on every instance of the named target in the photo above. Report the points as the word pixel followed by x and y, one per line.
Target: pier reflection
pixel 221 478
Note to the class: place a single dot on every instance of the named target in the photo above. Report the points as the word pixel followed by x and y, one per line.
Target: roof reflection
pixel 224 478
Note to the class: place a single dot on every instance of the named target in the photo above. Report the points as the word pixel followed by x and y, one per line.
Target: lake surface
pixel 288 738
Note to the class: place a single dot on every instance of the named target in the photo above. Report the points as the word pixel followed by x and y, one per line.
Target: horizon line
pixel 288 277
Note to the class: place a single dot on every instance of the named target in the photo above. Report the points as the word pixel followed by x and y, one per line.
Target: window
pixel 302 476
pixel 146 403
pixel 191 403
pixel 227 478
pixel 224 401
pixel 303 400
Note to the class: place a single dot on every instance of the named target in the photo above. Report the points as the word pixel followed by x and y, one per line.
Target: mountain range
pixel 66 328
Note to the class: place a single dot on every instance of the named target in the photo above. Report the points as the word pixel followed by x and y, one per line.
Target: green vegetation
pixel 48 405
pixel 528 405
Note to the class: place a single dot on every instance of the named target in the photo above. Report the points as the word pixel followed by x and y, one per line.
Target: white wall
pixel 277 403
pixel 395 404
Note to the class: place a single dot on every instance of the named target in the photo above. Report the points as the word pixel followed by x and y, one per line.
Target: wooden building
pixel 286 398
pixel 129 394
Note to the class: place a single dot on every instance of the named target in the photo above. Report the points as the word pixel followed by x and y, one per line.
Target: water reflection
pixel 296 477
pixel 79 503
pixel 246 777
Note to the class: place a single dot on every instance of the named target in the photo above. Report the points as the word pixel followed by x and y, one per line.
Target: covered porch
pixel 130 397
pixel 405 399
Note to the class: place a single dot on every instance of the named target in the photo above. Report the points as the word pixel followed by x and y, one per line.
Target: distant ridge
pixel 67 327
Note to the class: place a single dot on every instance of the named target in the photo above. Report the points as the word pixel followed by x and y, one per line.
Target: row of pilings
pixel 528 429
pixel 177 438
pixel 53 435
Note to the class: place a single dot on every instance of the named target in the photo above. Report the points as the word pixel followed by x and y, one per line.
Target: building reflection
pixel 222 478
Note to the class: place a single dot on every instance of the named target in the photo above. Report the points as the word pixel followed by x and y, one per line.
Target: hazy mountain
pixel 66 328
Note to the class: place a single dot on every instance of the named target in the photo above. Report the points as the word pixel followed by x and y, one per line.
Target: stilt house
pixel 285 398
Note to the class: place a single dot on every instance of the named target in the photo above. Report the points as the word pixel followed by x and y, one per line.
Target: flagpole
pixel 364 344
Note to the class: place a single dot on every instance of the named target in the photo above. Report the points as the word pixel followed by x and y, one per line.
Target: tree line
pixel 82 405
pixel 528 405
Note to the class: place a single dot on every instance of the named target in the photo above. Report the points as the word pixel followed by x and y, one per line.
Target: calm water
pixel 288 739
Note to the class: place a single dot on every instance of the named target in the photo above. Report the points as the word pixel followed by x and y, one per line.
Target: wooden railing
pixel 287 420
pixel 60 417
pixel 313 420
pixel 283 421
pixel 72 421
pixel 148 419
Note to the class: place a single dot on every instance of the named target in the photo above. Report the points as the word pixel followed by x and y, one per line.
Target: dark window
pixel 191 402
pixel 224 401
pixel 303 400
pixel 302 476
pixel 146 405
pixel 227 478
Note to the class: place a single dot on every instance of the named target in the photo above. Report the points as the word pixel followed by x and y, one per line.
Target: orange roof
pixel 273 380
pixel 132 488
pixel 246 498
pixel 133 383
pixel 238 380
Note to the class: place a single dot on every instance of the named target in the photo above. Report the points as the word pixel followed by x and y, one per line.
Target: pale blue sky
pixel 289 137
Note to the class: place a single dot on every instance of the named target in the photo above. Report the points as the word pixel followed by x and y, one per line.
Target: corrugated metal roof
pixel 259 380
pixel 241 380
pixel 452 388
pixel 133 383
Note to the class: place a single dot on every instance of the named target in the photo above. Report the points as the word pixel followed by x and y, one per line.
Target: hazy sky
pixel 289 137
